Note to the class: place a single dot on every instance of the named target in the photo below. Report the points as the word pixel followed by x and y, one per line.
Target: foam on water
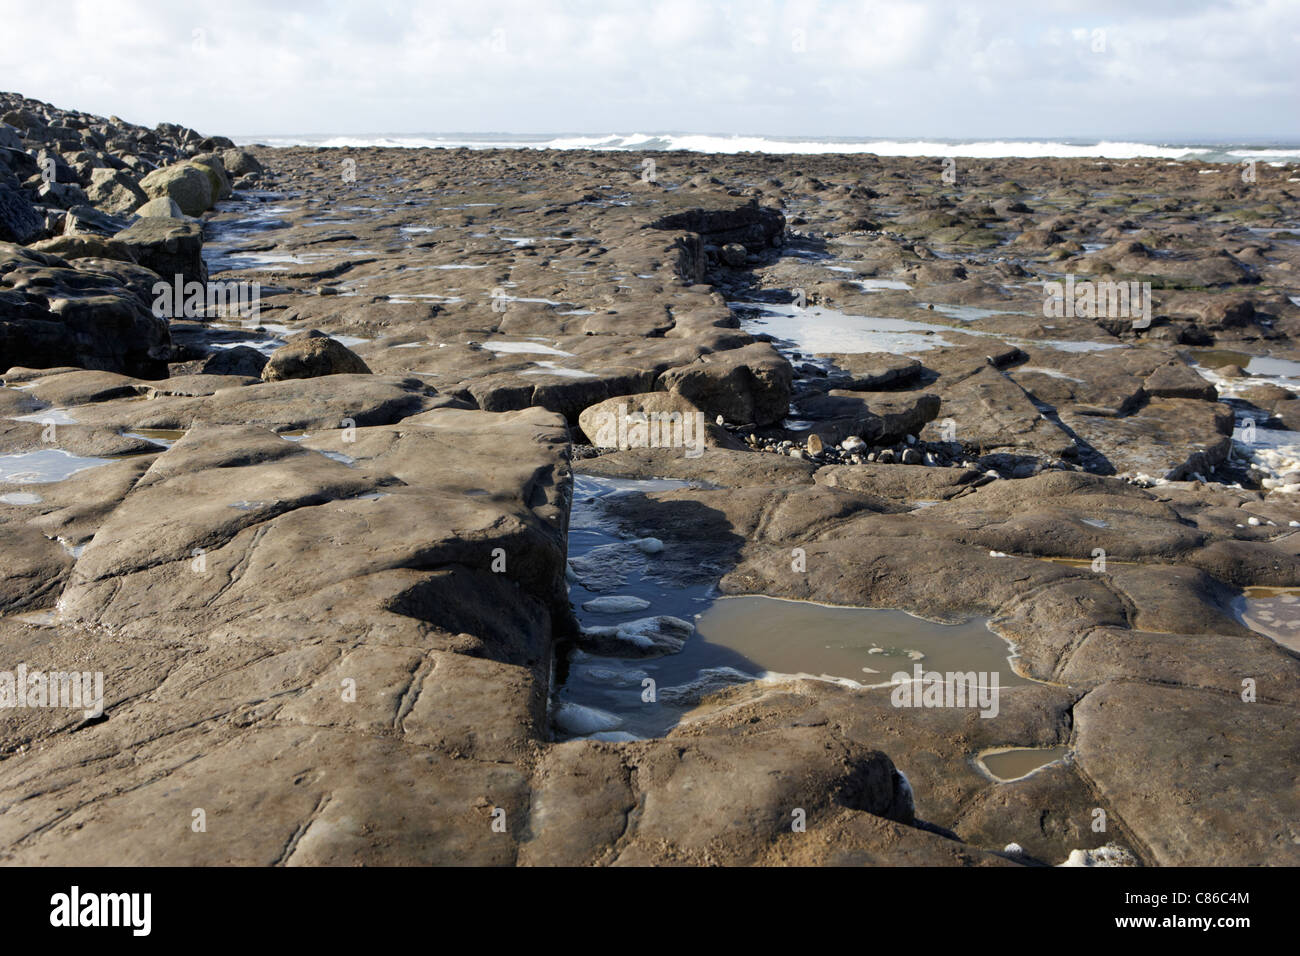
pixel 1274 452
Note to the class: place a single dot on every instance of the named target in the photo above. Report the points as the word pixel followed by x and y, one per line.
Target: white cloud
pixel 1169 68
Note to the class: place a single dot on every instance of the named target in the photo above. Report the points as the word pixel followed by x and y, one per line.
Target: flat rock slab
pixel 1174 762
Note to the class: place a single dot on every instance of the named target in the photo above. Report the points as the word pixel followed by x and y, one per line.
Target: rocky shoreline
pixel 320 551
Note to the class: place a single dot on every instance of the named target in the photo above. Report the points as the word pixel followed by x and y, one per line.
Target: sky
pixel 1146 70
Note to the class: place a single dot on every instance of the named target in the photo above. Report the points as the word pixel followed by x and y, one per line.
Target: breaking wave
pixel 708 143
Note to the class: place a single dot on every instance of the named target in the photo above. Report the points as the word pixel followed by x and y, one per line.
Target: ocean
pixel 1270 152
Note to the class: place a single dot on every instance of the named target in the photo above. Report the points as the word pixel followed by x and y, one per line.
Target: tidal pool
pixel 639 670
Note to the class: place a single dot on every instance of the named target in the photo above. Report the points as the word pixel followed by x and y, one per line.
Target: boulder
pixel 240 360
pixel 310 355
pixel 169 247
pixel 83 247
pixel 600 422
pixel 62 195
pixel 164 207
pixel 210 163
pixel 881 420
pixel 52 315
pixel 89 221
pixel 750 384
pixel 240 162
pixel 191 186
pixel 19 220
pixel 733 254
pixel 54 168
pixel 115 191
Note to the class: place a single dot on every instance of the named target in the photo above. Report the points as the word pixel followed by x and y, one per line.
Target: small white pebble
pixel 1014 849
pixel 997 554
pixel 1253 521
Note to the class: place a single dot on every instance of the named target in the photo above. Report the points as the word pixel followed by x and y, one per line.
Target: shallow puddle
pixel 550 368
pixel 1016 763
pixel 1273 612
pixel 20 498
pixel 166 437
pixel 48 416
pixel 968 313
pixel 44 466
pixel 864 645
pixel 524 348
pixel 1256 365
pixel 822 331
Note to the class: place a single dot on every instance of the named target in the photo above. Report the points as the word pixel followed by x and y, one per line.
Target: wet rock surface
pixel 326 583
